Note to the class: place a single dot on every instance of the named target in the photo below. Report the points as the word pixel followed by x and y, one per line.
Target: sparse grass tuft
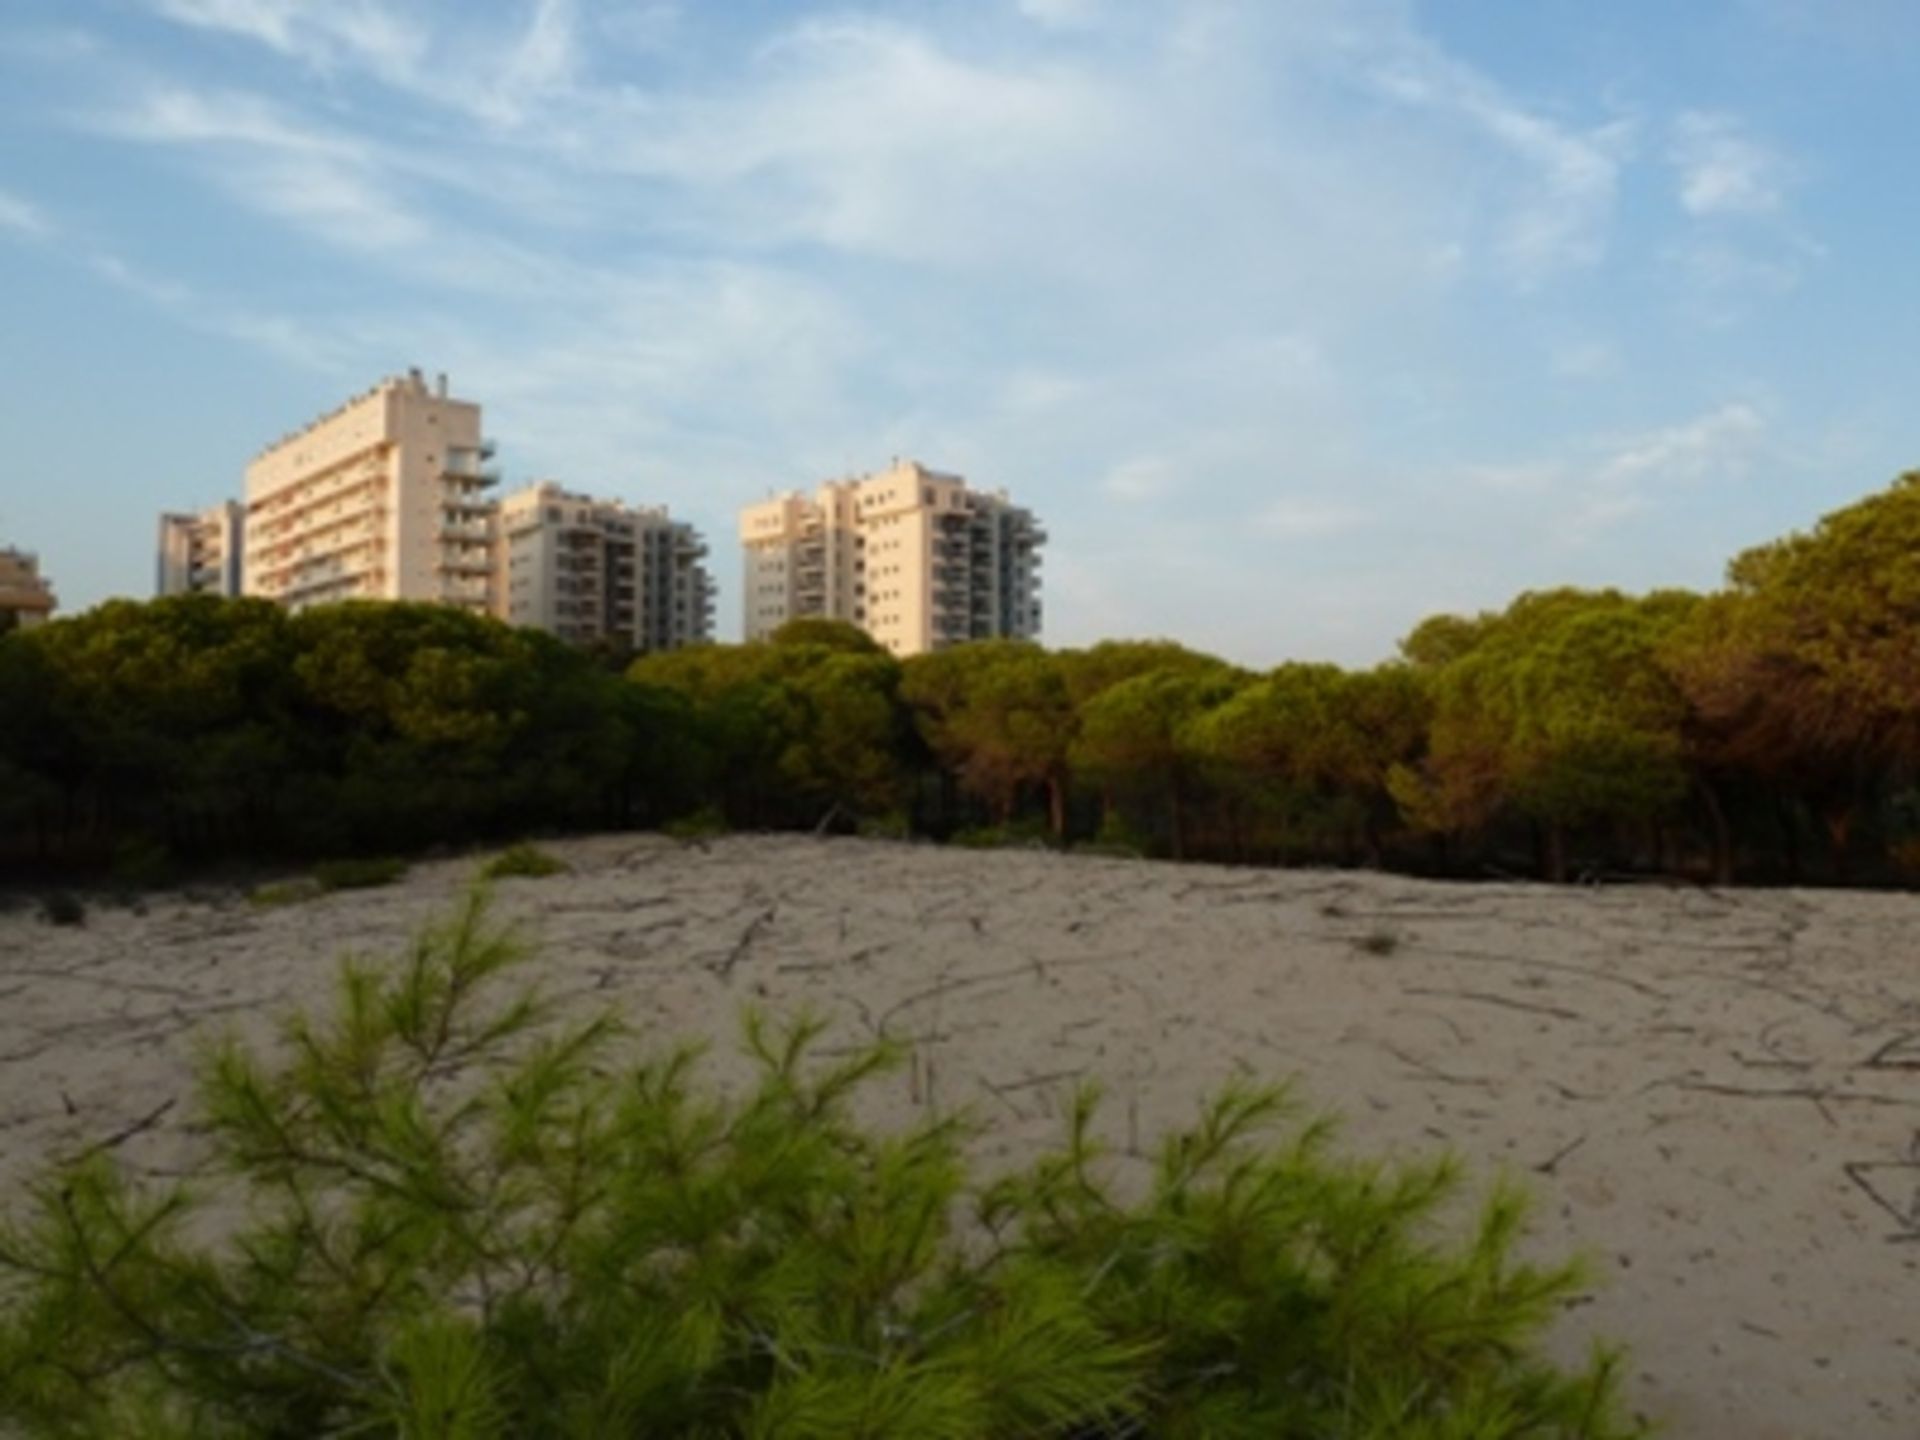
pixel 285 892
pixel 527 862
pixel 703 824
pixel 1377 942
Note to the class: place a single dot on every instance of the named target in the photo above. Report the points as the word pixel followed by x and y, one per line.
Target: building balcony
pixel 469 466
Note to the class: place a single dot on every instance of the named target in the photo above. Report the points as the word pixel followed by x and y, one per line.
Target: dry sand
pixel 1715 1094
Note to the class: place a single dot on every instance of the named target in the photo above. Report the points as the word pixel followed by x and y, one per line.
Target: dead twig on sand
pixel 724 968
pixel 126 1132
pixel 1552 1162
pixel 1859 1171
pixel 1486 998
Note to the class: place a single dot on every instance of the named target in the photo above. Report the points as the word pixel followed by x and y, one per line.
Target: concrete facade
pixel 593 571
pixel 202 554
pixel 915 557
pixel 381 500
pixel 26 599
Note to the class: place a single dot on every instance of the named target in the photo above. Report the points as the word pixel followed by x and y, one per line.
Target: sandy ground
pixel 1714 1094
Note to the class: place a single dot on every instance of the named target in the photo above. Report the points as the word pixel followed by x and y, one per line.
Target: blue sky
pixel 1295 321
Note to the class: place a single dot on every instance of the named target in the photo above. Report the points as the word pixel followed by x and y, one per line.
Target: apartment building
pixel 202 554
pixel 593 571
pixel 383 499
pixel 26 599
pixel 915 557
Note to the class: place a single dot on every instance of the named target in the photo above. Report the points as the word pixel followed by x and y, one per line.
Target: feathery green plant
pixel 447 1212
pixel 526 861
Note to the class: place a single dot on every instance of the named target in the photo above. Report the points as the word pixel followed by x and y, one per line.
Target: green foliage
pixel 702 824
pixel 1015 834
pixel 143 864
pixel 285 892
pixel 524 861
pixel 998 714
pixel 443 1211
pixel 1562 710
pixel 359 873
pixel 1780 715
pixel 839 635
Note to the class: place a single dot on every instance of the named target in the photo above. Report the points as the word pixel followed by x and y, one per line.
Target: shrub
pixel 526 861
pixel 63 907
pixel 143 864
pixel 702 824
pixel 358 874
pixel 894 825
pixel 459 1218
pixel 1022 834
pixel 285 892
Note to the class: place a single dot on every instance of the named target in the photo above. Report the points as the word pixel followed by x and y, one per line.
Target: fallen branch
pixel 745 943
pixel 1552 1162
pixel 120 1137
pixel 1505 1002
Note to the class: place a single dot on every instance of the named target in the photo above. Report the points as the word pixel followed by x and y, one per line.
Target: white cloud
pixel 1722 170
pixel 1586 360
pixel 1717 445
pixel 1303 518
pixel 1145 478
pixel 322 33
pixel 1061 14
pixel 270 161
pixel 1562 213
pixel 23 217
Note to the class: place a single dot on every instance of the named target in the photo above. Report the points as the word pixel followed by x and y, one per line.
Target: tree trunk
pixel 1556 864
pixel 1722 834
pixel 1839 824
pixel 1790 832
pixel 1176 814
pixel 1057 808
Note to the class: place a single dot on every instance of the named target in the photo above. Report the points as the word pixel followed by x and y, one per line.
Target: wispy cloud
pixel 271 161
pixel 1717 445
pixel 1722 170
pixel 322 33
pixel 23 217
pixel 1304 518
pixel 1562 209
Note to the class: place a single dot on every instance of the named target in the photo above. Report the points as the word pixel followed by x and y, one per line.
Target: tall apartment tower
pixel 914 557
pixel 592 570
pixel 202 554
pixel 26 599
pixel 380 500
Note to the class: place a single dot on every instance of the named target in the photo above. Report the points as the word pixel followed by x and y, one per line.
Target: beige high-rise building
pixel 915 557
pixel 26 599
pixel 202 554
pixel 592 570
pixel 380 500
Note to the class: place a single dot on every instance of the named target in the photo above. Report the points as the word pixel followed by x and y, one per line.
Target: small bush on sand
pixel 524 861
pixel 893 825
pixel 359 874
pixel 285 892
pixel 143 865
pixel 451 1215
pixel 1377 942
pixel 703 824
pixel 1027 835
pixel 63 907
